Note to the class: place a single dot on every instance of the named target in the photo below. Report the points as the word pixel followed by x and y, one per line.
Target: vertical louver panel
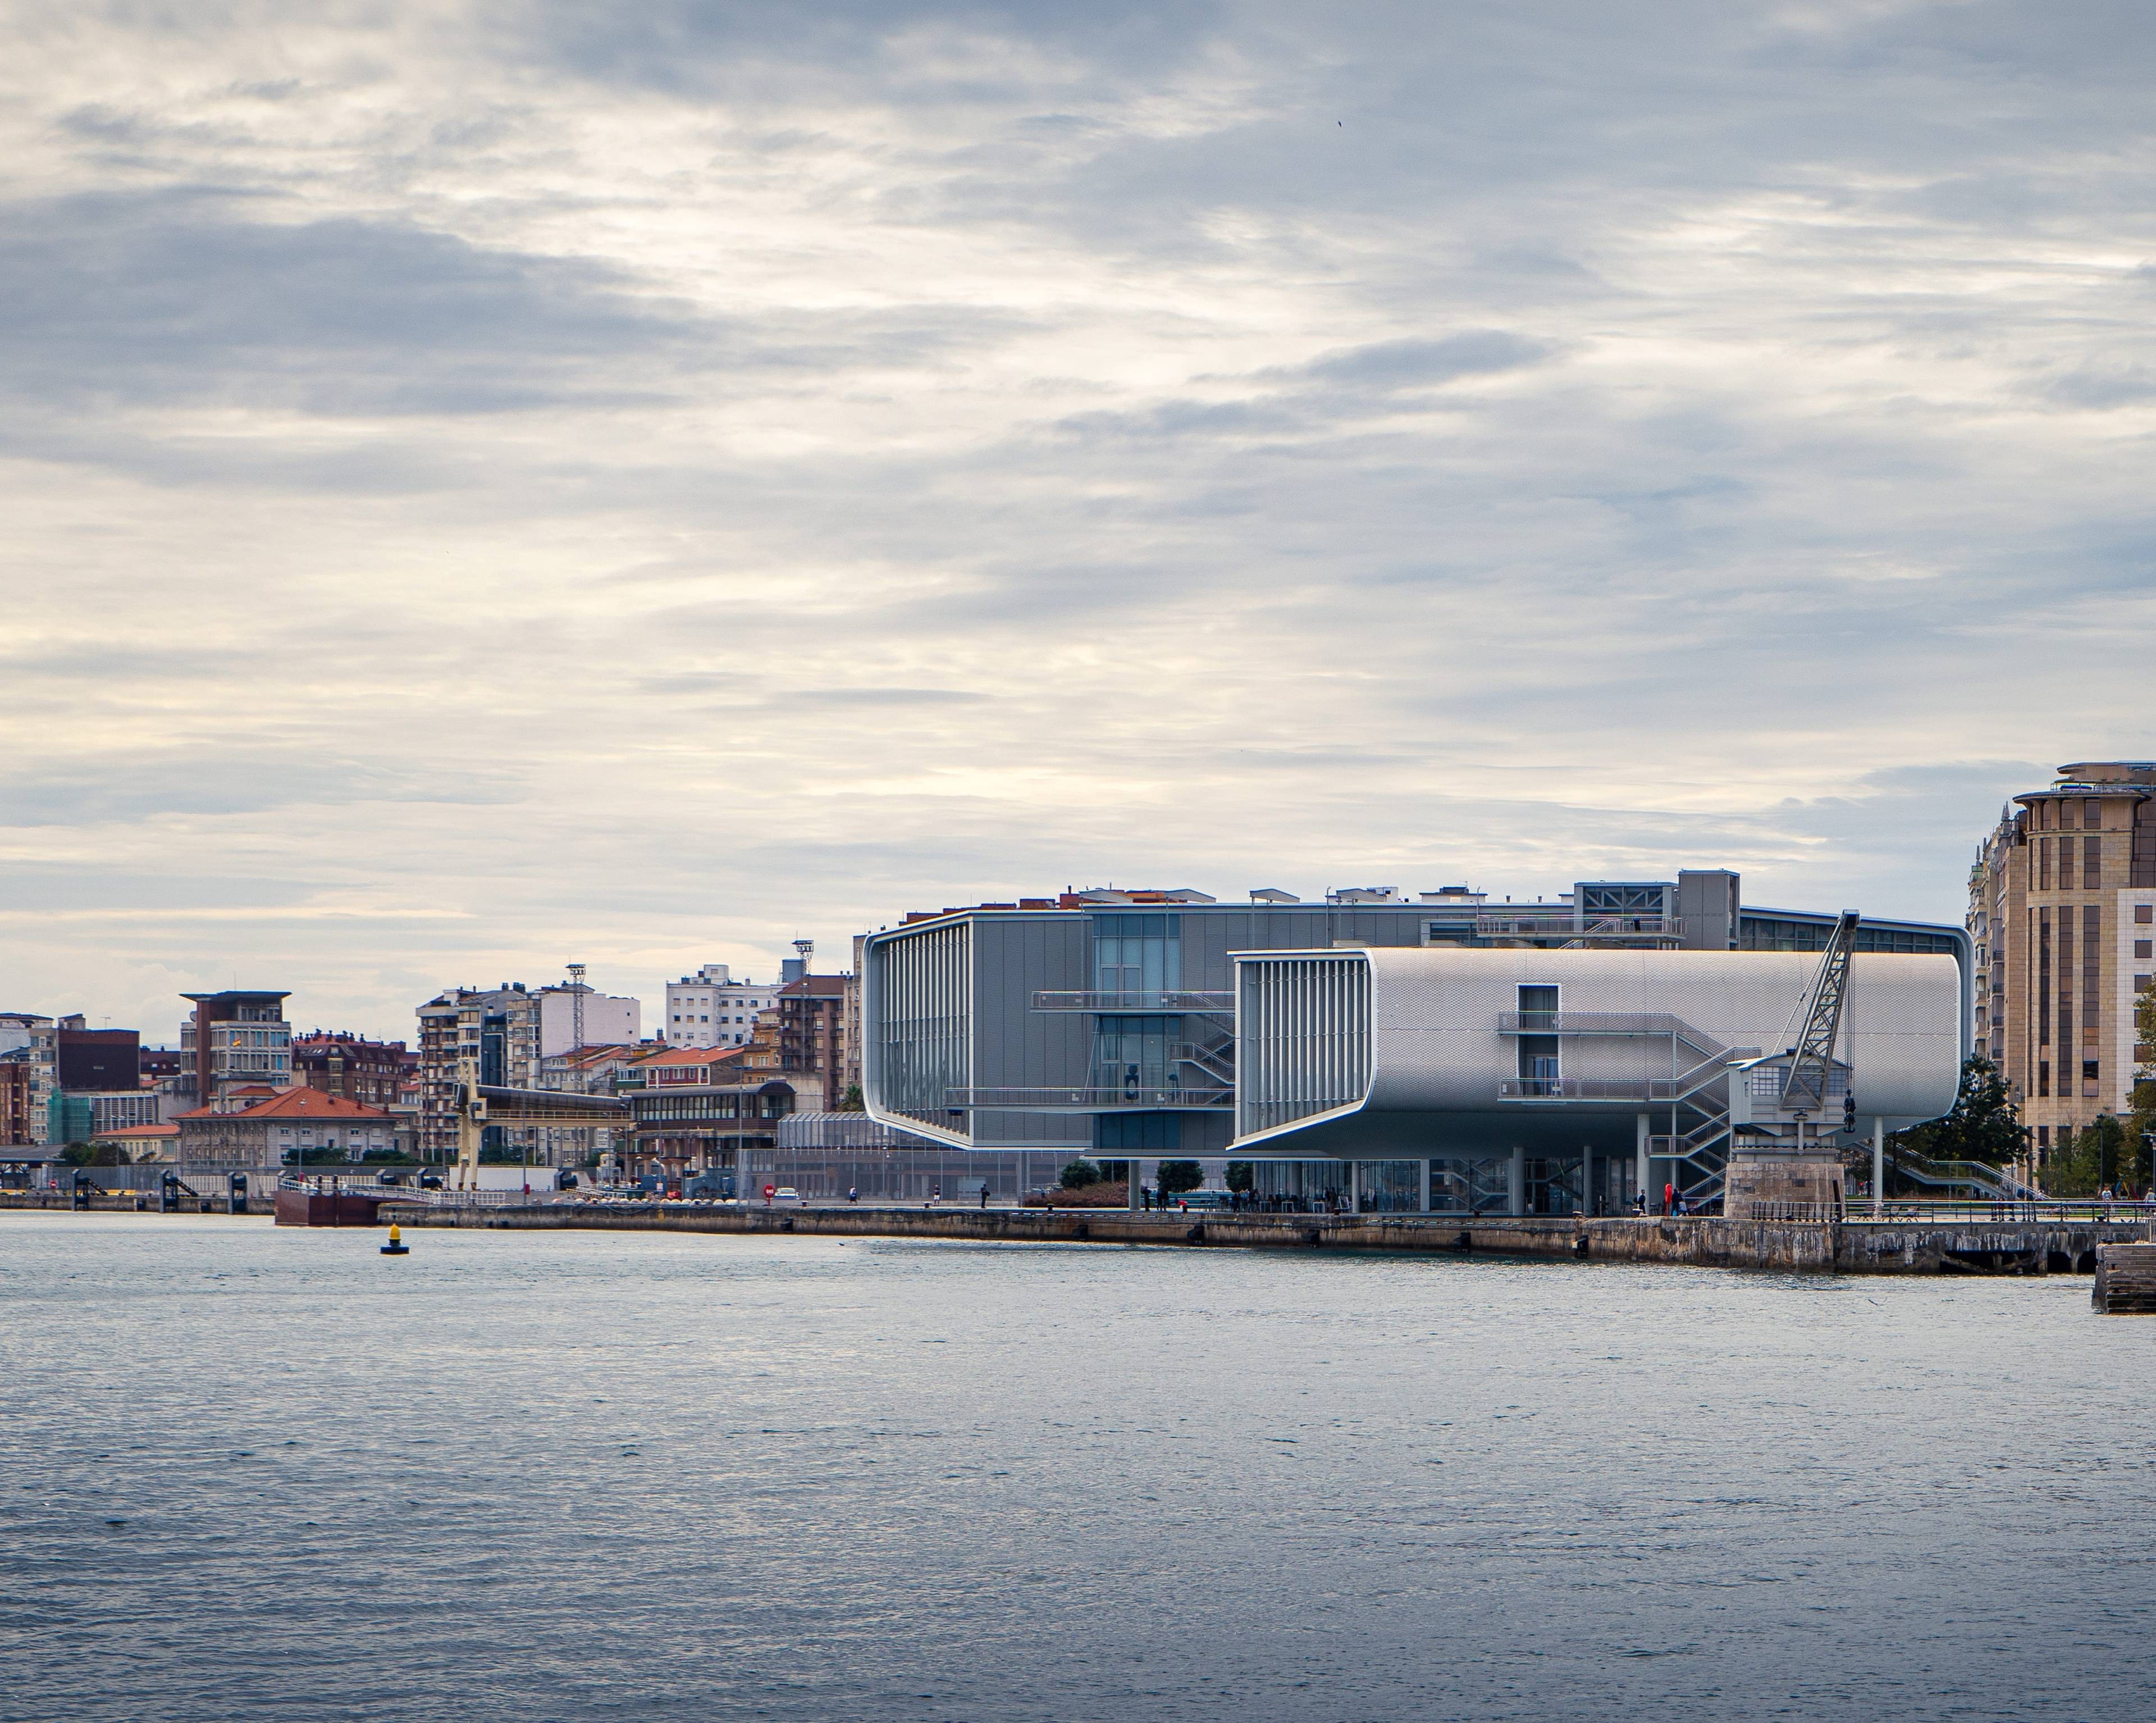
pixel 1303 1037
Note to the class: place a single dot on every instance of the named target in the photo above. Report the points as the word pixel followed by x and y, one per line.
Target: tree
pixel 2090 1161
pixel 2141 1121
pixel 1985 1123
pixel 1176 1176
pixel 1242 1177
pixel 853 1102
pixel 95 1155
pixel 1080 1174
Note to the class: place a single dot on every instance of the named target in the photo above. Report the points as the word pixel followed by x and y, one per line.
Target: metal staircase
pixel 1215 1057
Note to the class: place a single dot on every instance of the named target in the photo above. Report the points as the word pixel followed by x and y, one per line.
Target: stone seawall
pixel 1786 1246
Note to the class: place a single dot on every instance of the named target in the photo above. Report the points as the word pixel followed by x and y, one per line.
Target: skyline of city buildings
pixel 1099 1021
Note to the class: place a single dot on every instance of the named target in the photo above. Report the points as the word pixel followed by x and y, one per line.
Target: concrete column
pixel 1136 1178
pixel 1424 1166
pixel 1518 1193
pixel 1642 1179
pixel 1354 1187
pixel 1878 1166
pixel 1586 1178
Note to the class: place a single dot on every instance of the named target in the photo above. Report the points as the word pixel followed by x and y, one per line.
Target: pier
pixel 2027 1241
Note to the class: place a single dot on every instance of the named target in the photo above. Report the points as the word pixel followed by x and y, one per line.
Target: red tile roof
pixel 690 1056
pixel 299 1104
pixel 140 1130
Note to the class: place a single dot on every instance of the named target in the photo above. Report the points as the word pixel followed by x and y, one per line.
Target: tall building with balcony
pixel 497 1026
pixel 236 1039
pixel 2062 912
pixel 30 1042
pixel 1103 1022
pixel 709 1009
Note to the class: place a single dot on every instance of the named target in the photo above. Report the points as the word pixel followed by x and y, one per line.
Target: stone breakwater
pixel 1857 1247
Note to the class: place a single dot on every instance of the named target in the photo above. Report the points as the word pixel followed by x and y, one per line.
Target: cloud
pixel 652 488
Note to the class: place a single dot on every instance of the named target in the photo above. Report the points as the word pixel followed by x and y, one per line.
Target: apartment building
pixel 498 1026
pixel 30 1042
pixel 709 1009
pixel 236 1038
pixel 376 1074
pixel 573 1013
pixel 2062 913
pixel 18 1085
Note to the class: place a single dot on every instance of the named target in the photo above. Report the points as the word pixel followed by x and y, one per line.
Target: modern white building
pixel 609 1019
pixel 1522 1081
pixel 709 1009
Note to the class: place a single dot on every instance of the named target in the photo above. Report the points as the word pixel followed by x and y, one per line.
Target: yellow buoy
pixel 394 1247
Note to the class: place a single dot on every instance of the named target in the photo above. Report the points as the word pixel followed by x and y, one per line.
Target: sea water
pixel 247 1473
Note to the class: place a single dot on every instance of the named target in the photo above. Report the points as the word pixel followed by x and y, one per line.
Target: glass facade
pixel 1135 1053
pixel 1388 1187
pixel 1466 1185
pixel 1477 1184
pixel 1137 954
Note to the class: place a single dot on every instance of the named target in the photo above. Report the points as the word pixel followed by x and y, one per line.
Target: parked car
pixel 787 1193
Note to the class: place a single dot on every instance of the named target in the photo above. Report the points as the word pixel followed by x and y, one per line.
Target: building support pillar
pixel 1516 1191
pixel 1642 1171
pixel 1425 1165
pixel 1878 1168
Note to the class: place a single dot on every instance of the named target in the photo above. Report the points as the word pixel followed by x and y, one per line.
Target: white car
pixel 787 1193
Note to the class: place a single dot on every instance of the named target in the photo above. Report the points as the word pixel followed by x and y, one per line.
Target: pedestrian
pixel 984 1193
pixel 1669 1198
pixel 853 1195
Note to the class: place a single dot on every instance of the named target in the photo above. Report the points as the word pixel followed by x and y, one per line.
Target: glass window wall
pixel 1388 1187
pixel 1137 954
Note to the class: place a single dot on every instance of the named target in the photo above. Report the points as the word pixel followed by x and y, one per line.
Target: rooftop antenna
pixel 805 947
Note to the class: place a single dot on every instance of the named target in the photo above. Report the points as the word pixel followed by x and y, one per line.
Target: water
pixel 253 1473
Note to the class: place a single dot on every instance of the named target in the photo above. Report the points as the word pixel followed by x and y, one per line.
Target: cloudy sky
pixel 490 485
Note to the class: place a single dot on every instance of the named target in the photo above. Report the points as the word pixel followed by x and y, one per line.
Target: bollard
pixel 396 1247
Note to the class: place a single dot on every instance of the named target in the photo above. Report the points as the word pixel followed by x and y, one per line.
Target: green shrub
pixel 1080 1174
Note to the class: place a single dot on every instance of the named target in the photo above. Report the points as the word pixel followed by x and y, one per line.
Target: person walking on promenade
pixel 1669 1198
pixel 984 1193
pixel 853 1193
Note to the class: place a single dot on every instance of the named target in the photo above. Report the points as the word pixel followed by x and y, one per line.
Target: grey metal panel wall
pixel 1015 1046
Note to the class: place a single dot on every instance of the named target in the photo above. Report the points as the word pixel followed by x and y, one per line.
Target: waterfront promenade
pixel 2028 1240
pixel 2018 1239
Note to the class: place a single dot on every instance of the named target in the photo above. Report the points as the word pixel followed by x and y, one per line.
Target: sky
pixel 487 486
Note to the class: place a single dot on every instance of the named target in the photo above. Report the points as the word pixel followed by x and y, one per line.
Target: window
pixel 2142 947
pixel 2043 1077
pixel 2144 913
pixel 2089 1070
pixel 2044 864
pixel 2043 1136
pixel 2091 815
pixel 1538 1007
pixel 2092 863
pixel 1137 954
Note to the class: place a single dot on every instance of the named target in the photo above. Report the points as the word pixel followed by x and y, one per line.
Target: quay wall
pixel 1786 1246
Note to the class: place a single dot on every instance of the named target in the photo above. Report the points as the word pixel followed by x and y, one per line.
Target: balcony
pixel 1590 1023
pixel 1564 925
pixel 1586 1089
pixel 1224 1004
pixel 1122 1098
